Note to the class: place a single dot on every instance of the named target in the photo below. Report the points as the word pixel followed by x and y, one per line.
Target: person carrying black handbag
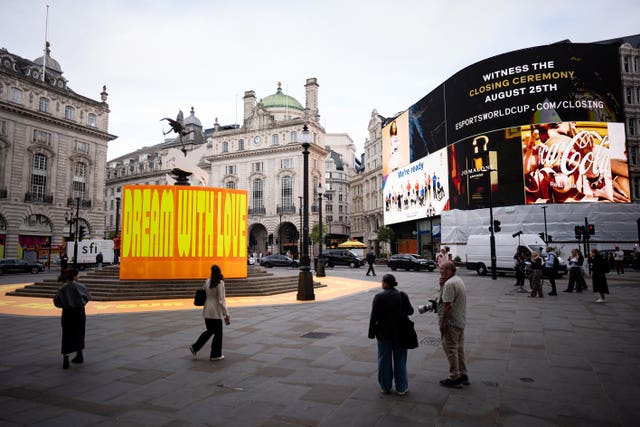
pixel 387 324
pixel 214 311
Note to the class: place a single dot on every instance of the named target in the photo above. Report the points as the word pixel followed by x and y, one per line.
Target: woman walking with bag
pixel 389 312
pixel 215 309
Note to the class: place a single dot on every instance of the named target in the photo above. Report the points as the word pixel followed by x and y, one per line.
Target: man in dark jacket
pixel 371 258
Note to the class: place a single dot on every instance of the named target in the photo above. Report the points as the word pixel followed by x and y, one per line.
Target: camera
pixel 432 306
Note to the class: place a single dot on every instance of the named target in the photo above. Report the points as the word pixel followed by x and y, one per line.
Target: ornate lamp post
pixel 305 278
pixel 300 230
pixel 320 261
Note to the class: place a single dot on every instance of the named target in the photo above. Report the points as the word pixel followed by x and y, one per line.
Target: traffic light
pixel 578 231
pixel 541 235
pixel 591 229
pixel 496 226
pixel 82 232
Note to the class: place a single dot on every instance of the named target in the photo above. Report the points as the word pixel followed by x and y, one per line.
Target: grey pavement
pixel 562 360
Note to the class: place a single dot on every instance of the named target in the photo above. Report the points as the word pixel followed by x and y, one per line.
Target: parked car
pixel 410 262
pixel 277 260
pixel 15 265
pixel 333 257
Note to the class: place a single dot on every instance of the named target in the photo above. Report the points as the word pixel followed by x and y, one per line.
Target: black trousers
pixel 73 323
pixel 551 275
pixel 371 270
pixel 214 328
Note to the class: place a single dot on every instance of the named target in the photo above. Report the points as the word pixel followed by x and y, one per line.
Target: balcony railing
pixel 86 204
pixel 3 193
pixel 286 209
pixel 257 211
pixel 38 198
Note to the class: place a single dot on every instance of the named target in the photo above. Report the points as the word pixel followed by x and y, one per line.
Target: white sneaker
pixel 600 300
pixel 217 358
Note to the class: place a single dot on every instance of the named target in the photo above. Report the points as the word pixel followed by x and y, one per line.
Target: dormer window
pixel 92 120
pixel 69 112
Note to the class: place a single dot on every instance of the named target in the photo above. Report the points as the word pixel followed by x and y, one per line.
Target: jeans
pixel 214 327
pixel 392 364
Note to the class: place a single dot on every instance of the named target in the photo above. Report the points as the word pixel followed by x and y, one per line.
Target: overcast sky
pixel 157 57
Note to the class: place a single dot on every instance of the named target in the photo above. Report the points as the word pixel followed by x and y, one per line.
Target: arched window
pixel 39 176
pixel 257 194
pixel 287 192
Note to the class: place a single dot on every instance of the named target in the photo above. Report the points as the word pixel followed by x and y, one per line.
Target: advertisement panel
pixel 488 161
pixel 516 106
pixel 418 190
pixel 575 162
pixel 395 144
pixel 176 232
pixel 554 83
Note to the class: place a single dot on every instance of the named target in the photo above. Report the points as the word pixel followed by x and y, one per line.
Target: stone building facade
pixel 53 150
pixel 263 156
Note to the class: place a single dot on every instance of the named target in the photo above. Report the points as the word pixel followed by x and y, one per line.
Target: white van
pixel 478 255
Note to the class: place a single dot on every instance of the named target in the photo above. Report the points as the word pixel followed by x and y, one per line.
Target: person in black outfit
pixel 72 297
pixel 371 258
pixel 519 267
pixel 389 310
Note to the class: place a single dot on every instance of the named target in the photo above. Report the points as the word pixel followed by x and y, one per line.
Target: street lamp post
pixel 305 278
pixel 116 237
pixel 546 236
pixel 75 243
pixel 300 230
pixel 320 261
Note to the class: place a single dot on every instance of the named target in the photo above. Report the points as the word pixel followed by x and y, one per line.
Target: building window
pixel 44 105
pixel 257 167
pixel 287 192
pixel 632 126
pixel 294 136
pixel 241 145
pixel 69 112
pixel 638 95
pixel 633 156
pixel 230 184
pixel 3 127
pixel 231 169
pixel 626 63
pixel 41 137
pixel 225 146
pixel 79 174
pixel 275 139
pixel 82 147
pixel 286 163
pixel 629 96
pixel 39 176
pixel 257 194
pixel 15 95
pixel 91 120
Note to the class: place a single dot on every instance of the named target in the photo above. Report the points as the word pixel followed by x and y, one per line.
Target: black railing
pixel 83 203
pixel 39 198
pixel 286 209
pixel 257 211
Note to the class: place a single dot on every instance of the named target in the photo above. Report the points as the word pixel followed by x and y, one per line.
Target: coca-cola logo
pixel 586 153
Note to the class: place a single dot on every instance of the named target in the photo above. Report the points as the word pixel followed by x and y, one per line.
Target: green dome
pixel 280 100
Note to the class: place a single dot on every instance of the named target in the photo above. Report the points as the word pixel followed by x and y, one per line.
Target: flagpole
pixel 44 57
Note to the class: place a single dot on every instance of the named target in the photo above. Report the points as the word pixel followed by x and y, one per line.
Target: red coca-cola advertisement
pixel 575 162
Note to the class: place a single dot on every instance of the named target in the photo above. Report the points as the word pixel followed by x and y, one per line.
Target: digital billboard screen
pixel 513 110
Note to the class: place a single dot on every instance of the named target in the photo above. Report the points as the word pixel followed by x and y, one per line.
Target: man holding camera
pixel 452 311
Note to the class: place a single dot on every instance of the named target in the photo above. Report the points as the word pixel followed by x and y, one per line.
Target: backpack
pixel 556 263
